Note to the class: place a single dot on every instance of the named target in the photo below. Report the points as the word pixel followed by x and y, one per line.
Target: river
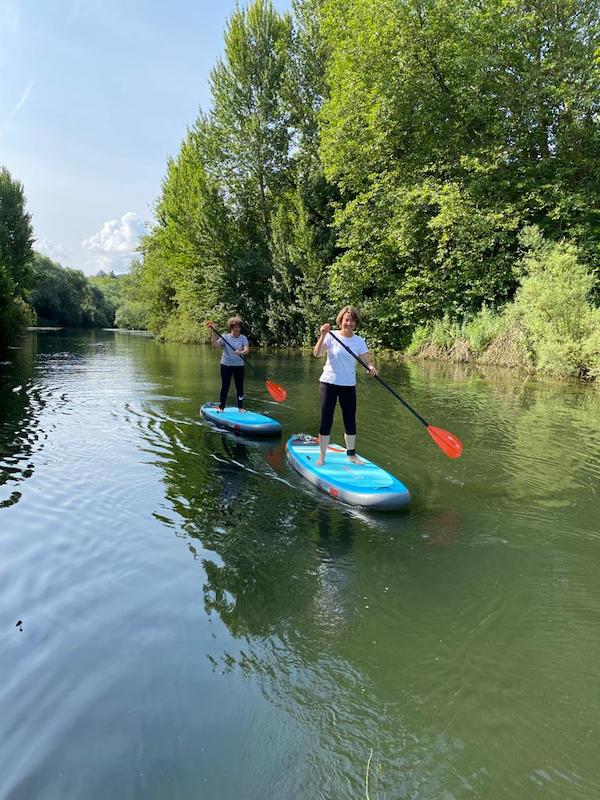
pixel 196 621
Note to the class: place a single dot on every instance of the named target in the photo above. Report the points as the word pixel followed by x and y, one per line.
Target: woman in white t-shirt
pixel 338 379
pixel 232 362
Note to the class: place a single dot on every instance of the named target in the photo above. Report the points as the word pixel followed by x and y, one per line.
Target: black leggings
pixel 238 377
pixel 328 394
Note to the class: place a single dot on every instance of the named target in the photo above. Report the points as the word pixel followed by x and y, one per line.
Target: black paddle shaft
pixel 244 359
pixel 381 381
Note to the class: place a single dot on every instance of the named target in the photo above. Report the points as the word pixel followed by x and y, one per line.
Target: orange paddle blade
pixel 277 392
pixel 447 442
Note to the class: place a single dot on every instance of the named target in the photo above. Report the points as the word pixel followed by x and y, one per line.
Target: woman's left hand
pixel 373 371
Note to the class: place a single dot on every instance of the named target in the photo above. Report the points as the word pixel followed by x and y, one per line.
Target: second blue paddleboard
pixel 250 423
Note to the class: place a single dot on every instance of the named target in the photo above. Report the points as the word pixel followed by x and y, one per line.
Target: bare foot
pixel 242 410
pixel 220 410
pixel 320 462
pixel 355 460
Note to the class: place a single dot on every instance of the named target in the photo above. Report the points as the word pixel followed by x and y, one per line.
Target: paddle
pixel 276 391
pixel 446 441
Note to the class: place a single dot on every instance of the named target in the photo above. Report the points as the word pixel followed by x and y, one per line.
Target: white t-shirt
pixel 229 358
pixel 340 367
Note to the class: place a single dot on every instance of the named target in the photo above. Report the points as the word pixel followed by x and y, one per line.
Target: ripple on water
pixel 182 588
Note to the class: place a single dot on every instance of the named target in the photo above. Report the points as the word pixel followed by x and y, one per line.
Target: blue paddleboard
pixel 247 422
pixel 365 484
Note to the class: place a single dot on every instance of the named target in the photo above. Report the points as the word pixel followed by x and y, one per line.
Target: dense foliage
pixel 449 127
pixel 122 293
pixel 244 219
pixel 552 325
pixel 383 152
pixel 62 296
pixel 16 239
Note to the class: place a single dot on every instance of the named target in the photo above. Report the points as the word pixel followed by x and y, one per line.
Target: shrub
pixel 483 328
pixel 552 304
pixel 132 315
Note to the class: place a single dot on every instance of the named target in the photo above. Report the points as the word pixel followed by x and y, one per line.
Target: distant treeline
pixel 389 153
pixel 36 290
pixel 66 297
pixel 62 296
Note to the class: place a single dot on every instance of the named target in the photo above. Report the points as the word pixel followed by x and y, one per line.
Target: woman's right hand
pixel 325 328
pixel 210 324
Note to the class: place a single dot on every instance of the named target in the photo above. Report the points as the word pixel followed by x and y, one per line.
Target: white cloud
pixel 111 249
pixel 114 246
pixel 116 237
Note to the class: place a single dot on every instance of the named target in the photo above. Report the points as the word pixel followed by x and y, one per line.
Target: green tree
pixel 187 269
pixel 67 297
pixel 124 294
pixel 251 119
pixel 553 306
pixel 210 251
pixel 249 111
pixel 448 127
pixel 16 240
pixel 303 238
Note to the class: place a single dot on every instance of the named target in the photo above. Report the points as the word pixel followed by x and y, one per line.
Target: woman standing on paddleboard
pixel 338 379
pixel 232 363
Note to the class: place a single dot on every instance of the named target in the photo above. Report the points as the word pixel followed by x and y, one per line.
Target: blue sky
pixel 94 96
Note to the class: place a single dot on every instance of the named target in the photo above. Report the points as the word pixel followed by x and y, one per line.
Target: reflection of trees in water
pixel 20 403
pixel 303 583
pixel 528 439
pixel 556 447
pixel 292 575
pixel 545 442
pixel 32 378
pixel 261 571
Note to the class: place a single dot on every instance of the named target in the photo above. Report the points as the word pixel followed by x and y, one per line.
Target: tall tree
pixel 449 126
pixel 249 111
pixel 16 241
pixel 304 243
pixel 252 124
pixel 188 253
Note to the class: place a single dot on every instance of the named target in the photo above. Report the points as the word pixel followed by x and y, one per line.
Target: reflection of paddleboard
pixel 363 484
pixel 248 422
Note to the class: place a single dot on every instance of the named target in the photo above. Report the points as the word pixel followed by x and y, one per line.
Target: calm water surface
pixel 198 622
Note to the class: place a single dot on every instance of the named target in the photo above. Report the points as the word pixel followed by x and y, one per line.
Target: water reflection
pixel 360 626
pixel 20 404
pixel 440 639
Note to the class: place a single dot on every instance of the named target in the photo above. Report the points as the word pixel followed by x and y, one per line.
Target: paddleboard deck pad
pixel 363 484
pixel 250 423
